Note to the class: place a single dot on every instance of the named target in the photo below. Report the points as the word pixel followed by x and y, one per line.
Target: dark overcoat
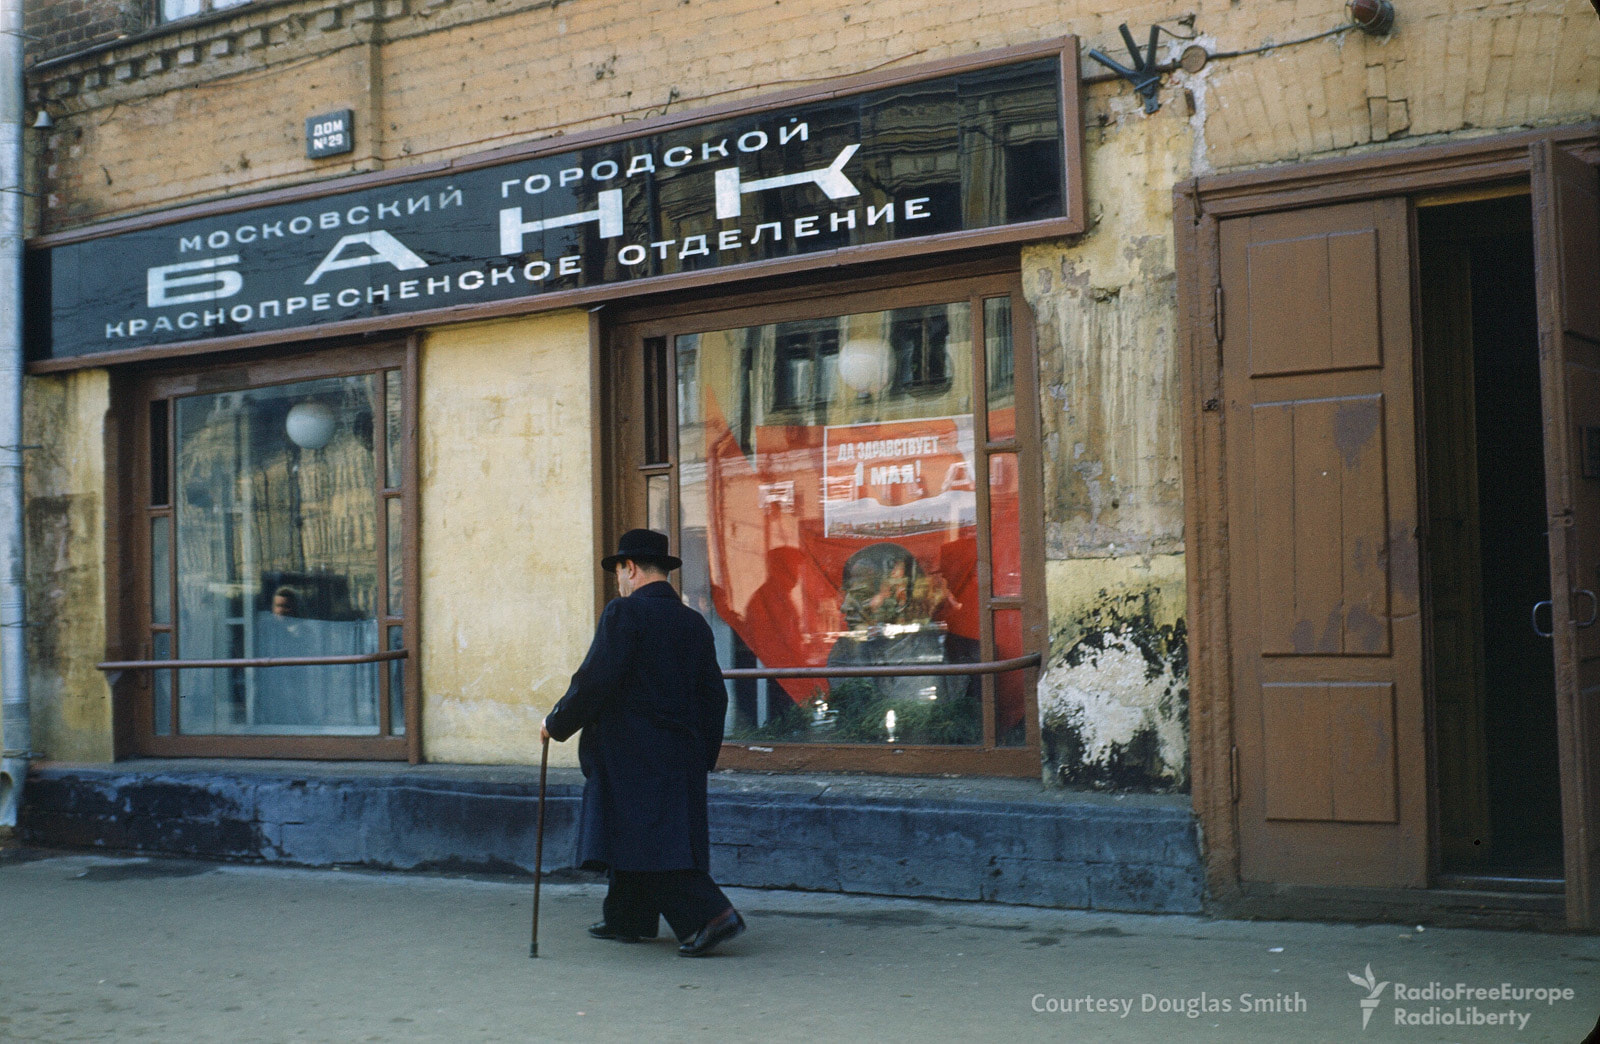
pixel 650 701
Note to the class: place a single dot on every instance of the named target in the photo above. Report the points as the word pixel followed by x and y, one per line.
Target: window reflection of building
pixel 257 514
pixel 862 550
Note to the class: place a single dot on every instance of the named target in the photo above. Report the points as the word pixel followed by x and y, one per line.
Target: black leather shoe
pixel 602 930
pixel 717 931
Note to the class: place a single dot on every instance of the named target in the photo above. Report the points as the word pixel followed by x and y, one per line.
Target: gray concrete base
pixel 1001 841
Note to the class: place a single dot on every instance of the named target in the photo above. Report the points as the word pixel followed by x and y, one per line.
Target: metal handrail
pixel 259 661
pixel 906 670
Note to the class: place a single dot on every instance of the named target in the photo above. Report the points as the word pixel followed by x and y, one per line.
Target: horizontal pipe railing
pixel 898 670
pixel 259 661
pixel 907 670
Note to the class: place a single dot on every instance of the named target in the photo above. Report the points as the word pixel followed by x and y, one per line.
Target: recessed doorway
pixel 1487 547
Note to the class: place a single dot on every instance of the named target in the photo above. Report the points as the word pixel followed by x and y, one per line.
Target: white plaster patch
pixel 1198 85
pixel 1109 697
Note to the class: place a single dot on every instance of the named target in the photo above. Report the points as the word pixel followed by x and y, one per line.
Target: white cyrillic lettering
pixel 607 214
pixel 388 210
pixel 408 288
pixel 569 265
pixel 137 326
pixel 694 246
pixel 210 318
pixel 188 320
pixel 542 180
pixel 188 243
pixel 377 293
pixel 475 284
pixel 275 308
pixel 536 271
pixel 777 231
pixel 502 275
pixel 645 164
pixel 707 150
pixel 162 323
pixel 505 188
pixel 328 219
pixel 570 175
pixel 422 203
pixel 294 304
pixel 758 137
pixel 241 313
pixel 321 302
pixel 450 196
pixel 349 297
pixel 915 208
pixel 240 237
pixel 115 329
pixel 300 225
pixel 351 218
pixel 884 213
pixel 830 179
pixel 632 254
pixel 800 130
pixel 273 230
pixel 836 220
pixel 221 282
pixel 384 248
pixel 662 247
pixel 728 239
pixel 594 171
pixel 219 240
pixel 666 157
pixel 438 285
pixel 806 226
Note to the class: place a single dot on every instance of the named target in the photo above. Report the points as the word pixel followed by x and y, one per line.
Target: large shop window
pixel 276 513
pixel 849 492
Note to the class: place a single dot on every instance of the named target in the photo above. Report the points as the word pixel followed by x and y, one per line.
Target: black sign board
pixel 972 150
pixel 329 134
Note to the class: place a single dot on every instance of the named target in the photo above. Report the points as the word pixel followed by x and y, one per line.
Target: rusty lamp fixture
pixel 1373 17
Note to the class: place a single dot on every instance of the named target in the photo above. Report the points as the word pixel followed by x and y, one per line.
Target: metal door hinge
pixel 1233 774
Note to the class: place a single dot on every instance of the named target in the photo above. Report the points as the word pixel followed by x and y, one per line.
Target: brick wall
pixel 431 79
pixel 64 27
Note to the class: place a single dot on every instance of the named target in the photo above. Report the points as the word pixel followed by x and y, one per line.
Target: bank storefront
pixel 790 334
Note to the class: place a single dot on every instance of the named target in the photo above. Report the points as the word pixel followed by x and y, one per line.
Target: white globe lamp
pixel 864 364
pixel 310 425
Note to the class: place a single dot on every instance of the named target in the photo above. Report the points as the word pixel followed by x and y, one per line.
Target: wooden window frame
pixel 129 625
pixel 1199 206
pixel 972 283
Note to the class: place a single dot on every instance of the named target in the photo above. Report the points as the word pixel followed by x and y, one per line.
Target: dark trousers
pixel 637 900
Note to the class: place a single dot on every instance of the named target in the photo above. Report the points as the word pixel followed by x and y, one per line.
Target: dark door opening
pixel 1488 557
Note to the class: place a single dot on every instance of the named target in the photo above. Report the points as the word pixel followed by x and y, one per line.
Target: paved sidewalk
pixel 97 948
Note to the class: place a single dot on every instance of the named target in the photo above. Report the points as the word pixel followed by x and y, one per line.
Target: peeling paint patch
pixel 1114 702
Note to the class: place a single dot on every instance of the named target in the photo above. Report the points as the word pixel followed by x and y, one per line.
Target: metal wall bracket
pixel 1144 76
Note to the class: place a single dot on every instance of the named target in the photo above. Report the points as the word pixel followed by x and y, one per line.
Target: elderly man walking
pixel 650 702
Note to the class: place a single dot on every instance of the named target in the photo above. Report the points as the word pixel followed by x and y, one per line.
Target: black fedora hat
pixel 642 545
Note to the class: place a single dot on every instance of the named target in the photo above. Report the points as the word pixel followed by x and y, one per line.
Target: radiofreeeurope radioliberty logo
pixel 1374 989
pixel 1458 1003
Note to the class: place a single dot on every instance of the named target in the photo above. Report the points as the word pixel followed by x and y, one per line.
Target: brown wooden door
pixel 1566 206
pixel 1322 535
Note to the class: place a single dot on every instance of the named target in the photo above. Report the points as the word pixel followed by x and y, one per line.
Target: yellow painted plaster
pixel 507 545
pixel 1075 586
pixel 64 478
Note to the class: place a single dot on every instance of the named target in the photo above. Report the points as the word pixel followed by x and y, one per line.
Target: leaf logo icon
pixel 1374 989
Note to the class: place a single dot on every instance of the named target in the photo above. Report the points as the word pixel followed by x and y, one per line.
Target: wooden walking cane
pixel 538 849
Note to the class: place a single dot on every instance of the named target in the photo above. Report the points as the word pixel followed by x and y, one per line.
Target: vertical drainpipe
pixel 16 737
